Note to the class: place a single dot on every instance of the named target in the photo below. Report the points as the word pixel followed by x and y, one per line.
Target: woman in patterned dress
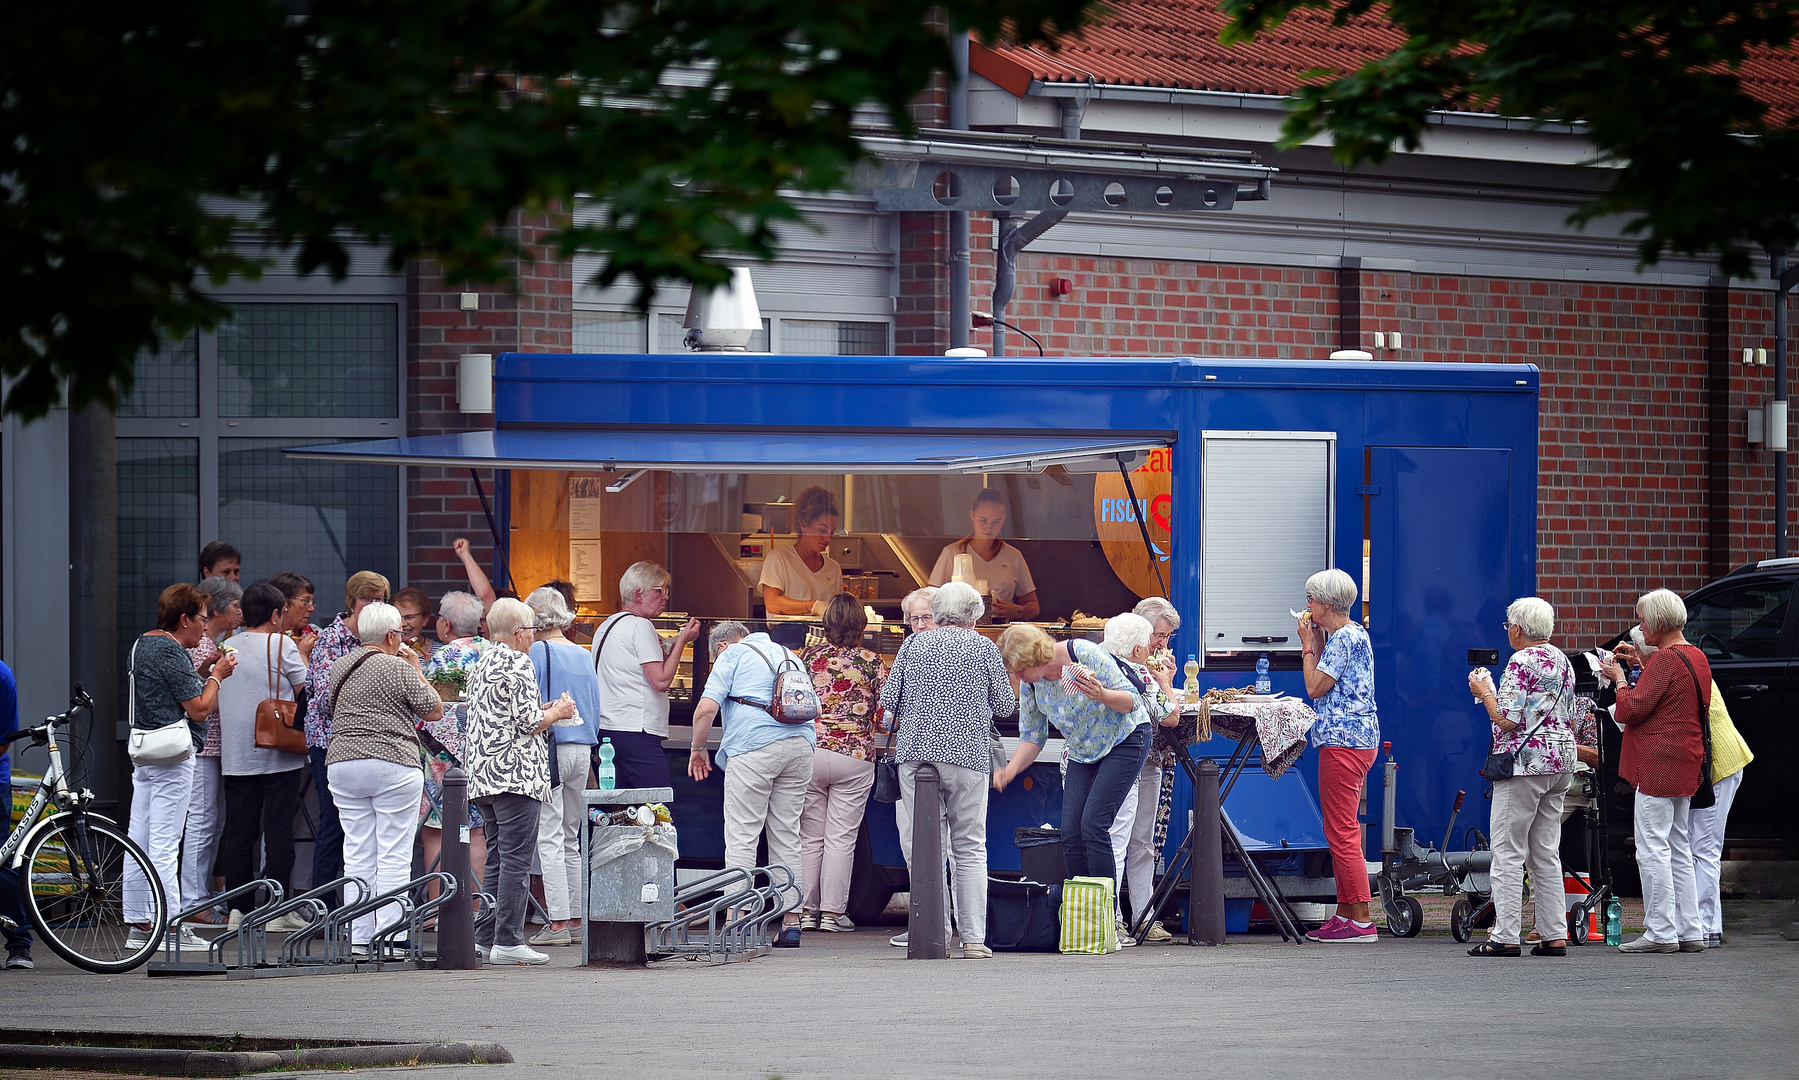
pixel 848 679
pixel 1533 714
pixel 508 761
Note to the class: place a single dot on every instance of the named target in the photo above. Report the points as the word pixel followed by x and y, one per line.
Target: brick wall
pixel 1624 502
pixel 536 314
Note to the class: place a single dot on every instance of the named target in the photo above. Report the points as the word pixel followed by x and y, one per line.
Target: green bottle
pixel 1614 922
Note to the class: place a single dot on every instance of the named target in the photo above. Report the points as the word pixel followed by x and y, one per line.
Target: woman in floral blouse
pixel 848 678
pixel 1533 715
pixel 508 761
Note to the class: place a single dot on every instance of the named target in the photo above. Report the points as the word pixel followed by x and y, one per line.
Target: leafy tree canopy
pixel 1701 165
pixel 147 150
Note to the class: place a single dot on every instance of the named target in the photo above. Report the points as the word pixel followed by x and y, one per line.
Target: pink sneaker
pixel 1340 931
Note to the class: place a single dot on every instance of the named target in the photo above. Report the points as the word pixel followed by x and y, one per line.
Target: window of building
pixel 626 332
pixel 200 441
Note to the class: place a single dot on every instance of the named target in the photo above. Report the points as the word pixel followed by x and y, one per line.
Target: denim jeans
pixel 511 842
pixel 328 834
pixel 1091 796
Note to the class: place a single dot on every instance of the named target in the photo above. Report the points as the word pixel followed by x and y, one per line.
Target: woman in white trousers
pixel 378 696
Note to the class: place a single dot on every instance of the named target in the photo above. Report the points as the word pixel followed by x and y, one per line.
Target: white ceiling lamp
pixel 725 318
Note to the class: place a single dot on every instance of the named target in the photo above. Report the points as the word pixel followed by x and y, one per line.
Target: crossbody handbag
pixel 170 744
pixel 278 722
pixel 1703 796
pixel 887 780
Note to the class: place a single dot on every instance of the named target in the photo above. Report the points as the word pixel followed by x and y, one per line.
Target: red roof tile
pixel 1173 44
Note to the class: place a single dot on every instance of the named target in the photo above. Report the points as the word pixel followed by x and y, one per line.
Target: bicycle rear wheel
pixel 74 890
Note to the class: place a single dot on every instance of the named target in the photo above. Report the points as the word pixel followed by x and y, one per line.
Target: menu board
pixel 584 536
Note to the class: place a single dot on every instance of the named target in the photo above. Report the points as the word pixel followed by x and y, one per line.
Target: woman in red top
pixel 1661 756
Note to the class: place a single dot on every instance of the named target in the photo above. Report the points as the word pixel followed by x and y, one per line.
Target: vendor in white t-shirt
pixel 1013 595
pixel 636 668
pixel 800 580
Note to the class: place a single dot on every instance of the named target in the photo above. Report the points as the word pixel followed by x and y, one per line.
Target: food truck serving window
pixel 1267 500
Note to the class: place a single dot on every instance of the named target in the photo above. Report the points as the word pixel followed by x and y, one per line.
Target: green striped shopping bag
pixel 1089 916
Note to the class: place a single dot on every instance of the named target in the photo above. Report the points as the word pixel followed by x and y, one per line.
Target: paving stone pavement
pixel 852 1006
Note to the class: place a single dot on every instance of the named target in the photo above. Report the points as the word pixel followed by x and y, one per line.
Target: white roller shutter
pixel 1266 500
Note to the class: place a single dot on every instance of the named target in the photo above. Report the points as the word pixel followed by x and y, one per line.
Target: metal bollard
pixel 456 919
pixel 1205 902
pixel 924 922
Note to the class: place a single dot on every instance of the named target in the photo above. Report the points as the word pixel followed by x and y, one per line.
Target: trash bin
pixel 631 873
pixel 1040 853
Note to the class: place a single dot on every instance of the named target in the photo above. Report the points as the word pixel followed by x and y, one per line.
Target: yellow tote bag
pixel 1089 916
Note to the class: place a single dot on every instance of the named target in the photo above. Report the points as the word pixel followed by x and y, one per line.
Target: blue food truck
pixel 1220 483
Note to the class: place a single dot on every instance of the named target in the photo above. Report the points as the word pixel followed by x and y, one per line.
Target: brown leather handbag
pixel 278 723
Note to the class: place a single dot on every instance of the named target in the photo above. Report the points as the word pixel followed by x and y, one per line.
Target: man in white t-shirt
pixel 635 672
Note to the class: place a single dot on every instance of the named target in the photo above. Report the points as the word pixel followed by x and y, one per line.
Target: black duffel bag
pixel 1023 916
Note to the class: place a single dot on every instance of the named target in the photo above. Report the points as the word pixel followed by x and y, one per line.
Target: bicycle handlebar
pixel 80 701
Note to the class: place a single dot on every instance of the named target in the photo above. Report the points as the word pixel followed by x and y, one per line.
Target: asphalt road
pixel 851 1006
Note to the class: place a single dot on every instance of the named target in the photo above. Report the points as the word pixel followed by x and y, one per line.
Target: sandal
pixel 1493 948
pixel 1543 949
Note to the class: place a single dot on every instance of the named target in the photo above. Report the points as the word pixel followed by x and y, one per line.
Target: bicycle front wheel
pixel 74 885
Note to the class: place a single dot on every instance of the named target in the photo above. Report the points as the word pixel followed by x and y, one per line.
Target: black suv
pixel 1746 626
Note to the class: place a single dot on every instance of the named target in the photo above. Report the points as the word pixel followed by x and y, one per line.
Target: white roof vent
pixel 723 319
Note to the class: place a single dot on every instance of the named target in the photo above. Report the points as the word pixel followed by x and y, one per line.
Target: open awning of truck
pixel 748 452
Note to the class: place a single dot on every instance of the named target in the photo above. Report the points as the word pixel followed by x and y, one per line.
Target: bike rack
pixel 251 939
pixel 730 915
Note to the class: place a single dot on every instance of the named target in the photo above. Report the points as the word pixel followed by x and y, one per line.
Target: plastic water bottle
pixel 1614 922
pixel 1263 684
pixel 608 775
pixel 1190 689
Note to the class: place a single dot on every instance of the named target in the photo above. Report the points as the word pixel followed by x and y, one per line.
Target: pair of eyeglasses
pixel 1507 625
pixel 919 620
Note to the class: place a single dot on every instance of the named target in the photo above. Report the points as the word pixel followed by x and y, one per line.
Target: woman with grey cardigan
pixel 946 686
pixel 508 758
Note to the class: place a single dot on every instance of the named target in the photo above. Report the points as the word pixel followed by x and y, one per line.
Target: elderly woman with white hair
pixel 946 686
pixel 1128 638
pixel 636 668
pixel 377 696
pixel 1533 716
pixel 916 608
pixel 1339 673
pixel 1661 756
pixel 508 761
pixel 564 669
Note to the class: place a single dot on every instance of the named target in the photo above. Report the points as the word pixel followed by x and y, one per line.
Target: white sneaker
pixel 1125 939
pixel 836 924
pixel 516 954
pixel 1157 934
pixel 809 920
pixel 900 940
pixel 546 936
pixel 188 941
pixel 137 938
pixel 289 923
pixel 235 919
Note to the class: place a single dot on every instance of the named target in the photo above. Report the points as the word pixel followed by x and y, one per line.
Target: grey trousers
pixel 963 807
pixel 511 842
pixel 1527 831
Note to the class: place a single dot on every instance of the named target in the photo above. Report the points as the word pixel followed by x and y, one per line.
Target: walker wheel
pixel 1461 920
pixel 1405 917
pixel 1577 924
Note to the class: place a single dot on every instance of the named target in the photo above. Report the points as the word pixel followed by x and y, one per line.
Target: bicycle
pixel 72 866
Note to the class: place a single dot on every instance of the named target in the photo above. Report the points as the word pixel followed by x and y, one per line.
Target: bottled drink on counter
pixel 608 775
pixel 1636 672
pixel 1263 684
pixel 1190 689
pixel 1614 922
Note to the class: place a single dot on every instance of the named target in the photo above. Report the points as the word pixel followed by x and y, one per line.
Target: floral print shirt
pixel 453 655
pixel 199 654
pixel 503 750
pixel 848 682
pixel 1346 715
pixel 1089 729
pixel 1537 694
pixel 335 641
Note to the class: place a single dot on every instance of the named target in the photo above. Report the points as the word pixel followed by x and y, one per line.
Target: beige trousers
pixel 1527 832
pixel 765 790
pixel 836 799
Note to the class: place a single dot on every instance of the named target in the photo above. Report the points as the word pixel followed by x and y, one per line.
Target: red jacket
pixel 1662 747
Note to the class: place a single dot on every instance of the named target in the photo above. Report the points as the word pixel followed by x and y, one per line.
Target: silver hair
pixel 725 634
pixel 507 617
pixel 376 621
pixel 640 577
pixel 1157 609
pixel 462 611
pixel 1332 588
pixel 1662 611
pixel 1533 617
pixel 957 604
pixel 1125 632
pixel 221 592
pixel 918 595
pixel 550 607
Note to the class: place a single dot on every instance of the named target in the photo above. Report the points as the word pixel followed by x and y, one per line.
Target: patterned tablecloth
pixel 1279 726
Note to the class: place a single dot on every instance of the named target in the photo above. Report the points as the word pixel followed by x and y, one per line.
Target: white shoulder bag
pixel 166 745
